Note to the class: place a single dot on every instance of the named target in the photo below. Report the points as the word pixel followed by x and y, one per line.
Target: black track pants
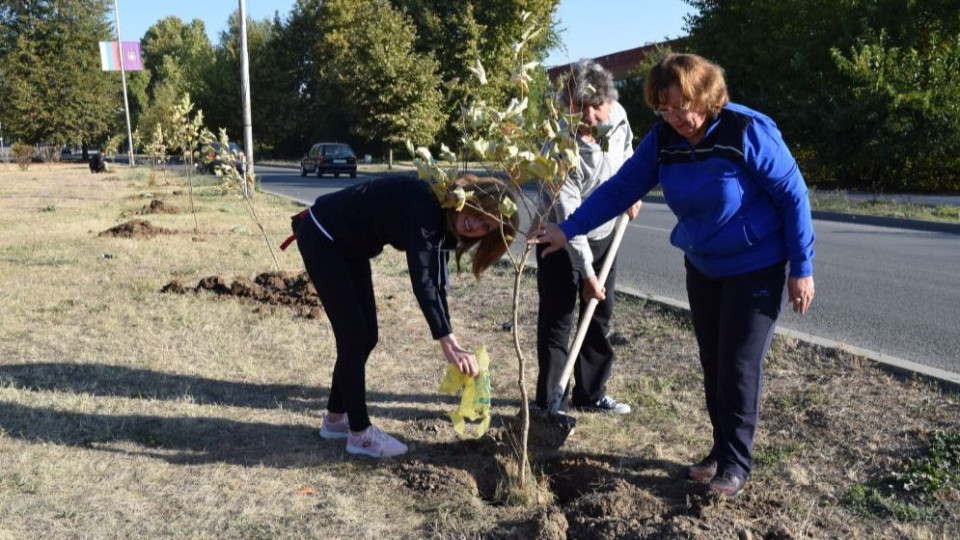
pixel 345 287
pixel 558 287
pixel 734 319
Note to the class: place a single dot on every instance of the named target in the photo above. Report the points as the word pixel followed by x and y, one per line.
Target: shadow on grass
pixel 184 441
pixel 189 440
pixel 127 382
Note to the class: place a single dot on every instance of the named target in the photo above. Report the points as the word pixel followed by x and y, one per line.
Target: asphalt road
pixel 887 290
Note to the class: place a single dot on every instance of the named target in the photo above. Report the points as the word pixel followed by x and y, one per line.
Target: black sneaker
pixel 605 404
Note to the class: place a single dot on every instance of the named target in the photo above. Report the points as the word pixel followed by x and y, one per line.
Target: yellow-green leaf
pixel 446 154
pixel 507 207
pixel 542 168
pixel 477 69
pixel 424 154
pixel 456 198
pixel 480 147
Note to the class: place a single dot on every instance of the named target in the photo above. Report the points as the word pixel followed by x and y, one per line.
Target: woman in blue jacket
pixel 743 215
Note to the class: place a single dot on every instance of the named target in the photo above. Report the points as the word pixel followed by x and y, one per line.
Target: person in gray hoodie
pixel 606 141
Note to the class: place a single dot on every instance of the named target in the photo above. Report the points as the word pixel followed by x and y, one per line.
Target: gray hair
pixel 587 83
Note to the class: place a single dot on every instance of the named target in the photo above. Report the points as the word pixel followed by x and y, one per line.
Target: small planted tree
pixel 188 135
pixel 112 147
pixel 223 158
pixel 157 148
pixel 535 156
pixel 22 154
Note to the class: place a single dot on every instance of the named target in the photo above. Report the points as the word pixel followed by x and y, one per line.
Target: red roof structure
pixel 620 63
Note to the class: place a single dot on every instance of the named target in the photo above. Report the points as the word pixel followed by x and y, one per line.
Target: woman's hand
pixel 634 210
pixel 463 359
pixel 550 234
pixel 800 291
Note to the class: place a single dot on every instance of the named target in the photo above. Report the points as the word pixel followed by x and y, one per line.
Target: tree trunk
pixel 521 379
pixel 390 159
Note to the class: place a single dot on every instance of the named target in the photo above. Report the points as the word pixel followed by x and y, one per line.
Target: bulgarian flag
pixel 110 56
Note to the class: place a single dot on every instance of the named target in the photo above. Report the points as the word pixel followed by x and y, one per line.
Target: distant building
pixel 619 63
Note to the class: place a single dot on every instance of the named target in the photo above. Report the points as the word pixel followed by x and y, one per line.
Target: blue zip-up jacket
pixel 739 197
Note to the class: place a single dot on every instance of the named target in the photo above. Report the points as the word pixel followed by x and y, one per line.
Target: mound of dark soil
pixel 291 289
pixel 157 206
pixel 136 228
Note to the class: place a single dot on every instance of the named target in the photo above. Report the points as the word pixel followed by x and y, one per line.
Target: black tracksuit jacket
pixel 404 213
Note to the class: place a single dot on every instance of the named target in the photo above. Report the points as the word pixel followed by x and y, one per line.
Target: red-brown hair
pixel 488 193
pixel 701 82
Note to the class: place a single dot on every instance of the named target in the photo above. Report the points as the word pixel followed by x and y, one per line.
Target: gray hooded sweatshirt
pixel 596 166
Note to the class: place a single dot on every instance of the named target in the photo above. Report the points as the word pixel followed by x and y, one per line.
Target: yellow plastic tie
pixel 475 400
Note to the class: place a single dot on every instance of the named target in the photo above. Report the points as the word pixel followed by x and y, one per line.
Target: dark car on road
pixel 329 158
pixel 210 158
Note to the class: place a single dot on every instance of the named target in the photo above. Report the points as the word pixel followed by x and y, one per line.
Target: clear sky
pixel 591 28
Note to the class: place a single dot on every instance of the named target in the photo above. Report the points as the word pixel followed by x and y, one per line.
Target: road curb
pixel 882 221
pixel 947 379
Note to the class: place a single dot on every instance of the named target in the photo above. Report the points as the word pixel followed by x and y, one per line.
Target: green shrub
pixel 22 154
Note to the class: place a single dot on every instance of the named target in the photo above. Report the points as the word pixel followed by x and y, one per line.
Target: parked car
pixel 329 158
pixel 210 158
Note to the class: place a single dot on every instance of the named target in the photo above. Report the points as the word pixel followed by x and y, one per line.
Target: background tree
pixel 173 44
pixel 176 58
pixel 51 85
pixel 390 93
pixel 832 118
pixel 296 48
pixel 222 103
pixel 901 126
pixel 630 89
pixel 277 91
pixel 165 95
pixel 459 33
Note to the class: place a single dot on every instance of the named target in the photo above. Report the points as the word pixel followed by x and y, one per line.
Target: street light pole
pixel 123 77
pixel 245 90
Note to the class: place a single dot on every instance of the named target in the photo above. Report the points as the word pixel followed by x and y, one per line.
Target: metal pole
pixel 245 90
pixel 123 77
pixel 1 143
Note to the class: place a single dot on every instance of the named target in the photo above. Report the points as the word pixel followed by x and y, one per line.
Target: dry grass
pixel 125 413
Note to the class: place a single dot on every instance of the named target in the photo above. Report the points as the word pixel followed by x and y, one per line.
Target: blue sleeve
pixel 636 178
pixel 776 172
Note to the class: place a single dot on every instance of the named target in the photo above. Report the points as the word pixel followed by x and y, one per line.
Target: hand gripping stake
pixel 558 391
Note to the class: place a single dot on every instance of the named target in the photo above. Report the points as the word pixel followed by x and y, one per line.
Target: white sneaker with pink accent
pixel 375 443
pixel 334 430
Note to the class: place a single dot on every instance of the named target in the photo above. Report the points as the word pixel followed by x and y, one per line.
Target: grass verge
pixel 126 413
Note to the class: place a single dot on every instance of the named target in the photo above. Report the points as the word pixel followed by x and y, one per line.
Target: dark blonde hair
pixel 488 193
pixel 701 82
